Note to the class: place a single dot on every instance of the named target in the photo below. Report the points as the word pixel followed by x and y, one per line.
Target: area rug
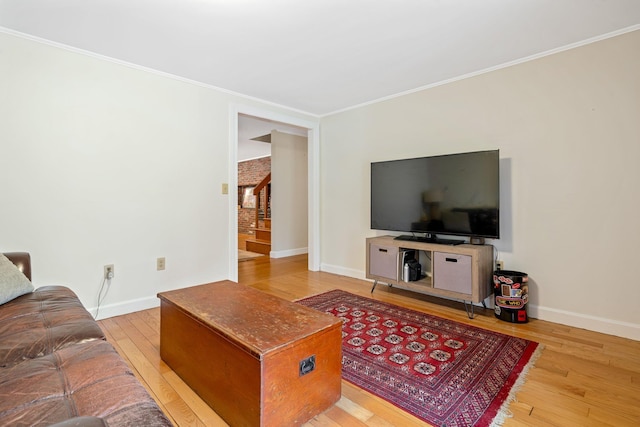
pixel 247 255
pixel 443 372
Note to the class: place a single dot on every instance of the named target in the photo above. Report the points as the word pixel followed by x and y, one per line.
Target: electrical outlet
pixel 499 265
pixel 160 264
pixel 108 272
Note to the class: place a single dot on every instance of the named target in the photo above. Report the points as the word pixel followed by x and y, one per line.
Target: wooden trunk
pixel 243 352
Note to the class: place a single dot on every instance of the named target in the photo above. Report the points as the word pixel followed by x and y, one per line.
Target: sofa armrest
pixel 22 260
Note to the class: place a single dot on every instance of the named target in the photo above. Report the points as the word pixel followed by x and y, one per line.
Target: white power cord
pixel 101 297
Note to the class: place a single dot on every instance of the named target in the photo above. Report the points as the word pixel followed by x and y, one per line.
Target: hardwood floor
pixel 582 378
pixel 242 240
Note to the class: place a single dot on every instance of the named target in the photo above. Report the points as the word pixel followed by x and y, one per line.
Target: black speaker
pixel 415 270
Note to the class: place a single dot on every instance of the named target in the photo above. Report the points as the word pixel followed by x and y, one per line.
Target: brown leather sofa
pixel 56 367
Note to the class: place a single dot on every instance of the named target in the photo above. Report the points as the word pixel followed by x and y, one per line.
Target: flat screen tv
pixel 454 194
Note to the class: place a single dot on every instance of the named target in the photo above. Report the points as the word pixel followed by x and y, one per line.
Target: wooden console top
pixel 257 321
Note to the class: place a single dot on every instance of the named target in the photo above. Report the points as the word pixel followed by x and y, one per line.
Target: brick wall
pixel 250 173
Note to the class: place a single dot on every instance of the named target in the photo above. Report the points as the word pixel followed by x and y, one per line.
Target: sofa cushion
pixel 39 323
pixel 85 421
pixel 12 282
pixel 87 379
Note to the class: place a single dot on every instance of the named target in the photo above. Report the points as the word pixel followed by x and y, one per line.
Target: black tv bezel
pixel 432 236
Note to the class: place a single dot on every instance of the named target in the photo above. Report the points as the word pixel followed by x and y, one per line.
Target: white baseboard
pixel 288 252
pixel 349 272
pixel 126 307
pixel 567 318
pixel 585 321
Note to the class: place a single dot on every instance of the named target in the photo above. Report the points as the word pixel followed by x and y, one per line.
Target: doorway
pixel 312 129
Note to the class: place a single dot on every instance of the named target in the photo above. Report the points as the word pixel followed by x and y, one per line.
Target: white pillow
pixel 12 282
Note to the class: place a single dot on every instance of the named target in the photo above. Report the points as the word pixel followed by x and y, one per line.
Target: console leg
pixel 469 311
pixel 375 283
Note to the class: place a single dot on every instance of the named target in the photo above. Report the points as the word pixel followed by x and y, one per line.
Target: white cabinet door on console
pixel 452 272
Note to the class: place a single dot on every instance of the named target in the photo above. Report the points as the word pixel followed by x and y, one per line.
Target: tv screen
pixel 455 194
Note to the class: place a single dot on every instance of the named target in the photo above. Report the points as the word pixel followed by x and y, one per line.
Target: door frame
pixel 313 173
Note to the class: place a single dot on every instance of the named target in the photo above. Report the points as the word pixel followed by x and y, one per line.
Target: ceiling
pixel 319 56
pixel 251 127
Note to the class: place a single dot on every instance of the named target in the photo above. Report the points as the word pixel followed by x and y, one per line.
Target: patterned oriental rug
pixel 443 372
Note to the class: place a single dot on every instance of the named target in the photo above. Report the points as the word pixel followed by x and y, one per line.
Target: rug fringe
pixel 504 413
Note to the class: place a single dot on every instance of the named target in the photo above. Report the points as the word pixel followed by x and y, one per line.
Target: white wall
pixel 568 127
pixel 289 195
pixel 101 163
pixel 106 164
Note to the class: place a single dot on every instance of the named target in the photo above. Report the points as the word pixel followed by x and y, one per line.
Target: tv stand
pixel 462 271
pixel 429 239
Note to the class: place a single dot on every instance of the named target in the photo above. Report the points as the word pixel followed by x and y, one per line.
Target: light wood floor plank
pixel 354 409
pixel 582 378
pixel 197 405
pixel 383 410
pixel 344 418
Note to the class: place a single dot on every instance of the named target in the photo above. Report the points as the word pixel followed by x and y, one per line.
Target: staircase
pixel 262 241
